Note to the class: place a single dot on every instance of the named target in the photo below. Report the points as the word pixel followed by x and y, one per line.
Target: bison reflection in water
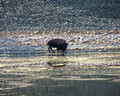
pixel 57 61
pixel 60 44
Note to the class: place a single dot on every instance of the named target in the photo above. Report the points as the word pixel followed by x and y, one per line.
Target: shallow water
pixel 60 74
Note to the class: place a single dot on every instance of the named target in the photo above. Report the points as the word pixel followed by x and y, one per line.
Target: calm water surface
pixel 53 74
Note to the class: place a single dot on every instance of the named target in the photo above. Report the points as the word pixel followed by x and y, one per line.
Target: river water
pixel 73 73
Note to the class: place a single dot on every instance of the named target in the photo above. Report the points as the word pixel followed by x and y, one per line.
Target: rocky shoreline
pixel 35 41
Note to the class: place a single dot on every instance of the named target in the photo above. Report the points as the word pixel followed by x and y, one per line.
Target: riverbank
pixel 35 41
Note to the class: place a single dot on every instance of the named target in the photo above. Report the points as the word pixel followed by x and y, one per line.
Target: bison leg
pixel 63 51
pixel 50 49
pixel 57 49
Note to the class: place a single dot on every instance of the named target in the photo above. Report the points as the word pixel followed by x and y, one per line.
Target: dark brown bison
pixel 60 44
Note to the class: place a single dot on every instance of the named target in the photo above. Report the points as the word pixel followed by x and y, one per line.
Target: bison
pixel 60 44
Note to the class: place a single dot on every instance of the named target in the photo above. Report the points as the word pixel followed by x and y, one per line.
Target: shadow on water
pixel 49 87
pixel 60 74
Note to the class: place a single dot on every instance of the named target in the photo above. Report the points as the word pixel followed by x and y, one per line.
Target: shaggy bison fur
pixel 60 44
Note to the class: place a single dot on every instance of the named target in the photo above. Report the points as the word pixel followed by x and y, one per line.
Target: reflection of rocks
pixel 57 61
